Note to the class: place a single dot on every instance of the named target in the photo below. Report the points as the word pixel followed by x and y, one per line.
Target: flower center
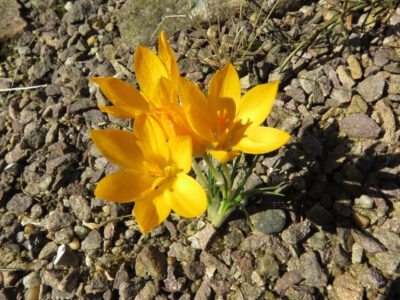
pixel 158 171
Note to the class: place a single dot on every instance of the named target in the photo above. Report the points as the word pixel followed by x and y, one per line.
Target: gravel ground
pixel 335 234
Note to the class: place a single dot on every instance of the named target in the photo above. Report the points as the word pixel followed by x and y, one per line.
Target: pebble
pixel 312 270
pixel 364 201
pixel 357 106
pixel 31 280
pixel 296 232
pixel 387 262
pixel 57 220
pixel 269 221
pixel 344 77
pixel 357 253
pixel 320 215
pixel 19 203
pixel 371 88
pixel 92 242
pixel 359 126
pixel 369 243
pixel 150 261
pixel 354 67
pixel 346 287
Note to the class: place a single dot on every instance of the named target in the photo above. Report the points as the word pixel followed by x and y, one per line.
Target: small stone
pixel 388 121
pixel 388 262
pixel 212 264
pixel 357 253
pixel 371 88
pixel 364 202
pixel 48 250
pixel 150 261
pixel 371 278
pixel 202 238
pixel 390 239
pixel 19 203
pixel 204 292
pixel 31 280
pixel 357 106
pixel 354 67
pixel 359 126
pixel 344 77
pixel 287 280
pixel 182 253
pixel 92 242
pixel 296 232
pixel 312 270
pixel 318 241
pixel 57 220
pixel 340 257
pixel 342 95
pixel 369 244
pixel 270 221
pixel 361 220
pixel 267 266
pixel 346 287
pixel 80 207
pixel 149 291
pixel 11 22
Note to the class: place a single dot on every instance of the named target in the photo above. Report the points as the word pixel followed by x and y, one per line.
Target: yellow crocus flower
pixel 154 172
pixel 229 122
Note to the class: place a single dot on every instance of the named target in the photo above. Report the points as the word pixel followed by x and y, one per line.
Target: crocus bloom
pixel 229 122
pixel 154 172
pixel 158 78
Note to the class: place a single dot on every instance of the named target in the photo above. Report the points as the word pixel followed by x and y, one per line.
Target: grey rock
pixel 270 221
pixel 340 257
pixel 371 88
pixel 357 106
pixel 320 215
pixel 194 270
pixel 359 126
pixel 354 67
pixel 202 239
pixel 312 270
pixel 150 261
pixel 31 280
pixel 204 292
pixel 121 276
pixel 149 291
pixel 390 239
pixel 51 278
pixel 254 242
pixel 309 79
pixel 233 239
pixel 369 243
pixel 383 56
pixel 346 287
pixel 267 266
pixel 388 121
pixel 57 220
pixel 71 281
pixel 371 278
pixel 287 280
pixel 296 93
pixel 11 22
pixel 92 241
pixel 181 252
pixel 387 262
pixel 138 20
pixel 19 203
pixel 48 250
pixel 214 263
pixel 77 12
pixel 341 95
pixel 80 207
pixel 344 77
pixel 296 232
pixel 16 154
pixel 128 290
pixel 318 241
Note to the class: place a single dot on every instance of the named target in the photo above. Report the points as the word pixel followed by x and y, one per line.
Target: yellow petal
pixel 195 105
pixel 151 210
pixel 257 103
pixel 148 69
pixel 186 196
pixel 123 112
pixel 119 147
pixel 181 152
pixel 223 156
pixel 262 139
pixel 225 84
pixel 121 93
pixel 167 56
pixel 123 186
pixel 152 140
